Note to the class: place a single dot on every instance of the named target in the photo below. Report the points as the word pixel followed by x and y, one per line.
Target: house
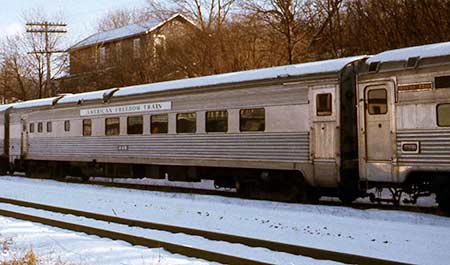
pixel 122 56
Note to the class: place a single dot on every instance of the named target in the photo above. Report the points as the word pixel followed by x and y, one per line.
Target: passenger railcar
pixel 334 127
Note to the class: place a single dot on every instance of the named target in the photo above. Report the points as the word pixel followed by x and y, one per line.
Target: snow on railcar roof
pixel 425 51
pixel 4 107
pixel 35 103
pixel 327 66
pixel 94 95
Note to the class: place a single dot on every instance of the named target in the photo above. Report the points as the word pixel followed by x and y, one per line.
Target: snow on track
pixel 394 235
pixel 52 245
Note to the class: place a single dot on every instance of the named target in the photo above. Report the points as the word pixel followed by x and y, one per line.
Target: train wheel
pixel 347 194
pixel 442 190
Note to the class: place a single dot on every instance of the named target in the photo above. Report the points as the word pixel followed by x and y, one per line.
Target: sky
pixel 80 15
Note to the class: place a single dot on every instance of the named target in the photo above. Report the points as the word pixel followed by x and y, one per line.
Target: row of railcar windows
pixel 251 120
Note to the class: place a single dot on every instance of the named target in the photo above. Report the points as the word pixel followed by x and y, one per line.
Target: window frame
pixel 330 103
pixel 437 115
pixel 151 123
pixel 141 127
pixel 226 121
pixel 83 125
pixel 49 127
pixel 40 127
pixel 240 120
pixel 67 126
pixel 106 126
pixel 368 101
pixel 178 127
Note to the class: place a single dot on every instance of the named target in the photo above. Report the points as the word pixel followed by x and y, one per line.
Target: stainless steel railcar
pixel 338 127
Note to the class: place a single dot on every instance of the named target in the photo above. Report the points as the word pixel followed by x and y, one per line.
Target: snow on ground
pixel 402 236
pixel 52 245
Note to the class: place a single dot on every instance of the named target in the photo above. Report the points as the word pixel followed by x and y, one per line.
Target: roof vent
pixel 373 67
pixel 412 62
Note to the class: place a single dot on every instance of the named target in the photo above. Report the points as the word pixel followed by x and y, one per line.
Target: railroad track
pixel 231 194
pixel 179 248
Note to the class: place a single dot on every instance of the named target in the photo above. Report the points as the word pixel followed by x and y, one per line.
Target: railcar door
pixel 323 135
pixel 378 132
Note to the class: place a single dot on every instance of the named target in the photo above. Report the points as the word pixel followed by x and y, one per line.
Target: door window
pixel 323 104
pixel 377 101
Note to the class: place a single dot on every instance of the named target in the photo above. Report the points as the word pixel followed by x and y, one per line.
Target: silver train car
pixel 336 127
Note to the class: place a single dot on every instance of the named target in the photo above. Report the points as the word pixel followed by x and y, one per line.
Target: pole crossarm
pixel 46 28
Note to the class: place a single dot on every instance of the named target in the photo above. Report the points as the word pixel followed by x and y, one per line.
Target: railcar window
pixel 187 122
pixel 377 101
pixel 324 104
pixel 87 127
pixel 252 120
pixel 443 115
pixel 40 127
pixel 112 126
pixel 159 123
pixel 217 121
pixel 135 125
pixel 31 127
pixel 442 81
pixel 67 126
pixel 49 126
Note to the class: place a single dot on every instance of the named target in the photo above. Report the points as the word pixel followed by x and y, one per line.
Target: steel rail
pixel 252 242
pixel 136 240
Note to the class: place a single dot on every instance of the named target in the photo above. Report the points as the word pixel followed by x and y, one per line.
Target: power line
pixel 46 28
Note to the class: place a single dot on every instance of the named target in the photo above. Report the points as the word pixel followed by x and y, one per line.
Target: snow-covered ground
pixel 53 245
pixel 402 236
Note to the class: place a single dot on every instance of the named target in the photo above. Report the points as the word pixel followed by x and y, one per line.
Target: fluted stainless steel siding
pixel 434 147
pixel 285 147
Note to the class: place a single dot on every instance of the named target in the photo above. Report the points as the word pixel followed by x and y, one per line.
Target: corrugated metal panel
pixel 434 147
pixel 286 147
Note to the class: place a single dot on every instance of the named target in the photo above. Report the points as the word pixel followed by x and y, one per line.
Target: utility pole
pixel 47 28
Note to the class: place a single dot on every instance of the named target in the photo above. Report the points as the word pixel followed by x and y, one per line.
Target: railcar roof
pixel 425 51
pixel 95 95
pixel 43 102
pixel 5 107
pixel 297 70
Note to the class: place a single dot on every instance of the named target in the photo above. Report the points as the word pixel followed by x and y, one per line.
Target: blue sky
pixel 81 15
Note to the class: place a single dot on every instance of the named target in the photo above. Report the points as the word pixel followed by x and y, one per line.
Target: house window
pixel 40 127
pixel 102 55
pixel 159 44
pixel 49 126
pixel 159 123
pixel 135 125
pixel 187 122
pixel 112 126
pixel 443 115
pixel 217 121
pixel 31 127
pixel 136 48
pixel 67 126
pixel 252 120
pixel 87 127
pixel 377 101
pixel 324 104
pixel 118 50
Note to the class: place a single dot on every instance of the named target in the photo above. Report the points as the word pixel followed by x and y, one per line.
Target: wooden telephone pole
pixel 47 28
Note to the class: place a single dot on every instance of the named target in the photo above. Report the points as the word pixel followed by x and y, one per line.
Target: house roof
pixel 425 51
pixel 124 32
